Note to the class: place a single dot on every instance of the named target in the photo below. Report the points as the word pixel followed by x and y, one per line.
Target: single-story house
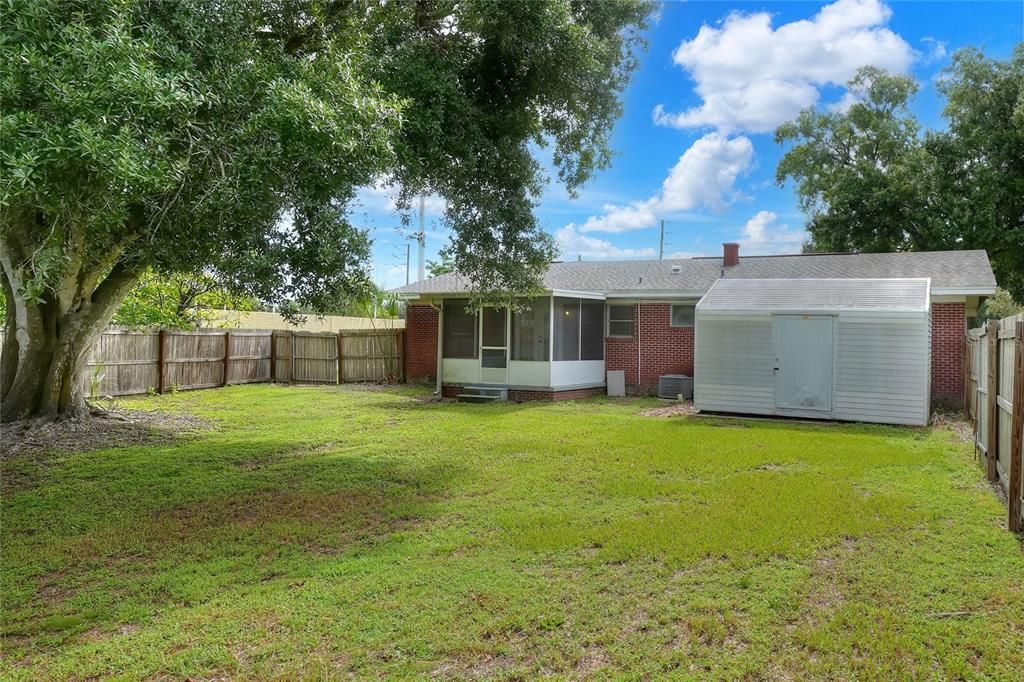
pixel 639 317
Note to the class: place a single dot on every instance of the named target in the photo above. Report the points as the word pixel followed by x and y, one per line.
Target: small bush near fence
pixel 126 362
pixel 995 401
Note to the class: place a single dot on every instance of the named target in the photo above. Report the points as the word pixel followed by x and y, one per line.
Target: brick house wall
pixel 664 349
pixel 421 343
pixel 949 325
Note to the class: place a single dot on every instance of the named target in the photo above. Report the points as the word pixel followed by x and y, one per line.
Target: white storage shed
pixel 847 349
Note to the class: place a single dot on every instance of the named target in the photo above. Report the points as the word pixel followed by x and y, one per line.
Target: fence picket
pixel 126 362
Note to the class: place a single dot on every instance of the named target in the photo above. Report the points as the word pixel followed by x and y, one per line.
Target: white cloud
pixel 703 177
pixel 573 244
pixel 936 51
pixel 763 235
pixel 753 77
pixel 381 196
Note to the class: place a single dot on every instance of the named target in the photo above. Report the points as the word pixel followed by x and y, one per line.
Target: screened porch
pixel 549 342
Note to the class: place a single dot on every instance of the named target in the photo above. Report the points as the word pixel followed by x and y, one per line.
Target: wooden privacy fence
pixel 995 401
pixel 126 362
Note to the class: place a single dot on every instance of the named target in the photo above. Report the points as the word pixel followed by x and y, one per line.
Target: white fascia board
pixel 892 312
pixel 963 291
pixel 577 294
pixel 409 297
pixel 663 293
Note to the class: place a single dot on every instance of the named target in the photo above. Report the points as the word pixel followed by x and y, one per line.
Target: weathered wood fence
pixel 994 386
pixel 125 362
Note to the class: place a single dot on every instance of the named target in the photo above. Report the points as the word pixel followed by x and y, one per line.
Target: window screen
pixel 591 330
pixel 531 339
pixel 460 331
pixel 682 315
pixel 620 320
pixel 567 329
pixel 494 327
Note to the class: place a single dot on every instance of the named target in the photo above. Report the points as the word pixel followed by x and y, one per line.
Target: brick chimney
pixel 730 254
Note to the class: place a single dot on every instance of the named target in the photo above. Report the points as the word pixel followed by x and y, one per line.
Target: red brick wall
pixel 664 349
pixel 948 328
pixel 420 343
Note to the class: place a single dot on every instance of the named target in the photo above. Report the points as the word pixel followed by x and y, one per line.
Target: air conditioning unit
pixel 672 386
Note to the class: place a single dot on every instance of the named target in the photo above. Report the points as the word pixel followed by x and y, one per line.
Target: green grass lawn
pixel 323 533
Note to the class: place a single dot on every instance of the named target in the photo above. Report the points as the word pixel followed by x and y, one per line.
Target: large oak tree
pixel 870 179
pixel 231 137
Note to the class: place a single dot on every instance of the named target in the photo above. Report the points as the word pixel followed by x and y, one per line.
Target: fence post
pixel 161 350
pixel 967 376
pixel 227 357
pixel 291 363
pixel 400 341
pixel 1015 487
pixel 273 356
pixel 341 372
pixel 992 411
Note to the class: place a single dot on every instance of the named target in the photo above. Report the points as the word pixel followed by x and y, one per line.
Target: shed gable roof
pixel 946 269
pixel 817 295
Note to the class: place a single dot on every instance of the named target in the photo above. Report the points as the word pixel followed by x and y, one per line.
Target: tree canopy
pixel 870 179
pixel 230 138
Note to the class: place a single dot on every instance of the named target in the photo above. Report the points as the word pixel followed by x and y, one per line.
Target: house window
pixel 591 330
pixel 530 337
pixel 682 315
pixel 567 329
pixel 459 340
pixel 620 320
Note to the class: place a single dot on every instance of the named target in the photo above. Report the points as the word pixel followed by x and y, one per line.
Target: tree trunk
pixel 46 342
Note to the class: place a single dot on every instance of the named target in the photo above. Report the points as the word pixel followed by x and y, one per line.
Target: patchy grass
pixel 326 532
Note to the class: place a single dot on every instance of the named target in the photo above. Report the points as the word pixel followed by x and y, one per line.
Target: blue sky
pixel 694 145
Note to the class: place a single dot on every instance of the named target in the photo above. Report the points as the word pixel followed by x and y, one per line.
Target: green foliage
pixel 179 301
pixel 869 180
pixel 440 267
pixel 998 306
pixel 230 137
pixel 376 534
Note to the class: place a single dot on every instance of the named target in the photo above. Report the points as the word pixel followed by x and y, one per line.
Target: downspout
pixel 440 339
pixel 638 381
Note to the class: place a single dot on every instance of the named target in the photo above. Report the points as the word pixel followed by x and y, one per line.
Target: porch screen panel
pixel 531 339
pixel 459 340
pixel 591 330
pixel 567 328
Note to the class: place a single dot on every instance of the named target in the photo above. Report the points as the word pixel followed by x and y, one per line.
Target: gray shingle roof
pixel 947 270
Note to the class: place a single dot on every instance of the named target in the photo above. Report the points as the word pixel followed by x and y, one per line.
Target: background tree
pixel 178 301
pixel 998 306
pixel 870 180
pixel 229 138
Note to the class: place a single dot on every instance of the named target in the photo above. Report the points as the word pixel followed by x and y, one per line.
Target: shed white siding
pixel 733 364
pixel 880 336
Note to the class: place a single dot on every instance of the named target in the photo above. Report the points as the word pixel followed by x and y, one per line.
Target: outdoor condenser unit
pixel 672 386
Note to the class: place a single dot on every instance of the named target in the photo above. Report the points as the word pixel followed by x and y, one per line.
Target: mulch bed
pixel 119 429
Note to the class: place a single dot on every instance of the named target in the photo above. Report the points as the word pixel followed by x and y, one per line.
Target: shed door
pixel 803 362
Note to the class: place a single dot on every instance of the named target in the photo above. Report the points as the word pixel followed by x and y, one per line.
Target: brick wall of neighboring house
pixel 948 328
pixel 420 343
pixel 664 349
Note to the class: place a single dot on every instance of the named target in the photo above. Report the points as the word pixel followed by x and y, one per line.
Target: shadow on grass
pixel 179 527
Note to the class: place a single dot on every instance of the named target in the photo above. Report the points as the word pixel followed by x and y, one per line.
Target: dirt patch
pixel 120 429
pixel 955 423
pixel 677 409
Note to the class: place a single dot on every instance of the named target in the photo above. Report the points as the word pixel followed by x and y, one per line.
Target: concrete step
pixel 476 398
pixel 496 392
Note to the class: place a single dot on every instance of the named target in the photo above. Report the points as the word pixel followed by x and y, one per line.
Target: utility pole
pixel 408 248
pixel 661 242
pixel 422 239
